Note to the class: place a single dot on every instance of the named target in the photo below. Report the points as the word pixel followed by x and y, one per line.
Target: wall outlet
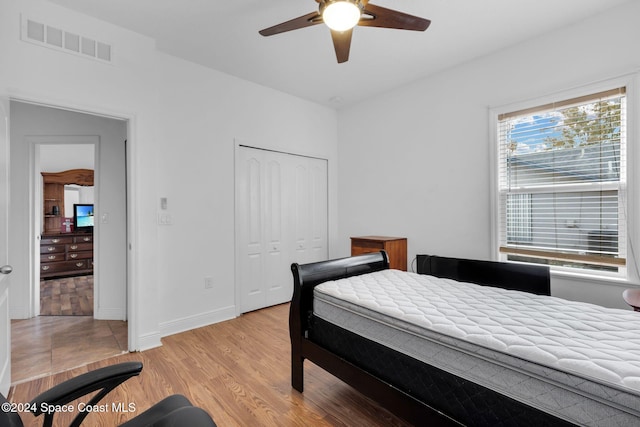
pixel 208 282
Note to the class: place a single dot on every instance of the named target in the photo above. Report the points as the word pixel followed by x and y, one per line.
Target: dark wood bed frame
pixel 389 395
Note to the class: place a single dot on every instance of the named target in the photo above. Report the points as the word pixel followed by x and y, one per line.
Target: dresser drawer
pixel 83 239
pixel 52 257
pixel 79 255
pixel 68 254
pixel 77 247
pixel 64 266
pixel 50 249
pixel 55 240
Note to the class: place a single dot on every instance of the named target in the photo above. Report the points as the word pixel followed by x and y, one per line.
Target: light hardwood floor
pixel 238 371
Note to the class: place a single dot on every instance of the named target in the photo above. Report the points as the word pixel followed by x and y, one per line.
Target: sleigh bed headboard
pixel 534 279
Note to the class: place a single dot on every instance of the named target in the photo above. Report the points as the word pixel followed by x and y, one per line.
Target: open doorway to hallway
pixel 42 345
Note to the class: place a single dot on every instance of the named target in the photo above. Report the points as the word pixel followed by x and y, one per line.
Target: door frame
pixel 132 189
pixel 35 142
pixel 5 321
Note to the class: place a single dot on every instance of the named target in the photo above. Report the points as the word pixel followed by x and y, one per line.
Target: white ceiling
pixel 223 35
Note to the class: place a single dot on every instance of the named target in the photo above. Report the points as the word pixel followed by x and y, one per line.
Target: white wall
pixel 415 162
pixel 60 157
pixel 183 121
pixel 209 111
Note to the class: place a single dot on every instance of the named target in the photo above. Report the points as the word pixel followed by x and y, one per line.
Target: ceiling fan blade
pixel 307 20
pixel 376 16
pixel 342 44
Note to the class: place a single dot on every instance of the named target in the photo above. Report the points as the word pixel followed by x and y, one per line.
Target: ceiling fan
pixel 341 16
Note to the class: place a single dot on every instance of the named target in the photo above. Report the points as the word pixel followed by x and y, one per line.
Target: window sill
pixel 594 278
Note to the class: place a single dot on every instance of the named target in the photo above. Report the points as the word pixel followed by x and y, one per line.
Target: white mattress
pixel 579 361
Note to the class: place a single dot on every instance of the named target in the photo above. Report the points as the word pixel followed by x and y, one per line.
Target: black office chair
pixel 175 410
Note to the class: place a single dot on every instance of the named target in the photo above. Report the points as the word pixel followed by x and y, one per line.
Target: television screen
pixel 82 216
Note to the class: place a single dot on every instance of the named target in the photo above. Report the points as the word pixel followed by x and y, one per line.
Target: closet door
pixel 275 220
pixel 277 223
pixel 309 205
pixel 249 216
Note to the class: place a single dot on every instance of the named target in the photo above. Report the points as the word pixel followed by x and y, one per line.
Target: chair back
pixel 8 417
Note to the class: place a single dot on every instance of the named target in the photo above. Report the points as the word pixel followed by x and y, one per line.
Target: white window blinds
pixel 562 170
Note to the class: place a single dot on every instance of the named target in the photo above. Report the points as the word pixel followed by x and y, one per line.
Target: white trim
pixel 633 175
pixel 110 313
pixel 575 92
pixel 69 105
pixel 236 228
pixel 5 347
pixel 595 278
pixel 197 321
pixel 148 341
pixel 5 319
pixel 135 340
pixel 494 179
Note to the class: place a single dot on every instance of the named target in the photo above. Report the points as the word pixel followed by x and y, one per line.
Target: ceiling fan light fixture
pixel 341 15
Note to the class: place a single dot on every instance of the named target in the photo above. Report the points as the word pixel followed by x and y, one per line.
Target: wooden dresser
pixel 66 254
pixel 396 248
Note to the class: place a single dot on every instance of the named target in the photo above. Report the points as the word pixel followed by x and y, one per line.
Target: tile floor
pixel 46 345
pixel 67 296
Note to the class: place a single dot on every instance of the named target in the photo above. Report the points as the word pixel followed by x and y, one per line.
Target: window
pixel 562 183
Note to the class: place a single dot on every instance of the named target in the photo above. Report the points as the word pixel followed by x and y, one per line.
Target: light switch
pixel 105 218
pixel 165 219
pixel 163 203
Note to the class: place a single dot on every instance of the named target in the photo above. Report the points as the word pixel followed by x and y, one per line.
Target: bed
pixel 478 343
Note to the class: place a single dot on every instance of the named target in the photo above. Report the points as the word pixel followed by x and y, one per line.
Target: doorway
pixel 108 137
pixel 65 178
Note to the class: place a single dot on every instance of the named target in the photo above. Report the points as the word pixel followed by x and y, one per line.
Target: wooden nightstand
pixel 396 248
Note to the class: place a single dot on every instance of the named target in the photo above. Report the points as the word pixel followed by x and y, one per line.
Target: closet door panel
pixel 318 210
pixel 300 199
pixel 251 232
pixel 278 289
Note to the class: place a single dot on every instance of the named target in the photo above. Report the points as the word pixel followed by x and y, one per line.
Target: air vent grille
pixel 49 36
